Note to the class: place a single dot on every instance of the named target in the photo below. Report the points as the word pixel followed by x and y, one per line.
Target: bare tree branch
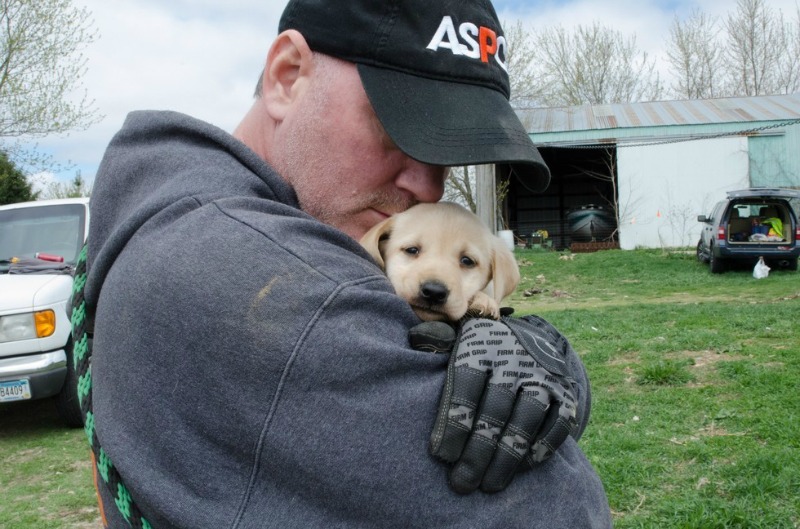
pixel 758 50
pixel 526 85
pixel 41 64
pixel 694 55
pixel 594 65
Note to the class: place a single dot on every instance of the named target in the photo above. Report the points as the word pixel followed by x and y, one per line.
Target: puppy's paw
pixel 484 306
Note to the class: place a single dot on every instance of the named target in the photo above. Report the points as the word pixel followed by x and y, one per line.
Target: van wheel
pixel 716 264
pixel 700 255
pixel 67 405
pixel 792 265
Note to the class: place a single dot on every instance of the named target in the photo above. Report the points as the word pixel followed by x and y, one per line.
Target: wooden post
pixel 485 195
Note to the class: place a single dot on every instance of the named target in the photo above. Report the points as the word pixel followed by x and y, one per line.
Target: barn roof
pixel 661 113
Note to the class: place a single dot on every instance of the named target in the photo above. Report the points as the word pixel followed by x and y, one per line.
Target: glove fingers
pixel 494 413
pixel 467 474
pixel 460 399
pixel 515 443
pixel 555 430
pixel 508 401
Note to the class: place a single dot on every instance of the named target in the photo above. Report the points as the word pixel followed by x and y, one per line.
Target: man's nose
pixel 423 181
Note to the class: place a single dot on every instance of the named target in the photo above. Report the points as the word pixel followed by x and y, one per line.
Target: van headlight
pixel 27 326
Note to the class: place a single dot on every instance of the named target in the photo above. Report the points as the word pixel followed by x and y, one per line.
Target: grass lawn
pixel 45 473
pixel 696 396
pixel 695 378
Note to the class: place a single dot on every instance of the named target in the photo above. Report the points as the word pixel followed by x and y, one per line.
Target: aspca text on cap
pixel 487 43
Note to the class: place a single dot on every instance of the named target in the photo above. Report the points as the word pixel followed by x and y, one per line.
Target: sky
pixel 203 57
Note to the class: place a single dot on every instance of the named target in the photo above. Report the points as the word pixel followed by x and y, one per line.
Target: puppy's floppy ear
pixel 375 240
pixel 505 271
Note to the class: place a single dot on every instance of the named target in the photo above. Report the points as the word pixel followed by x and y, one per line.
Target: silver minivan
pixel 748 224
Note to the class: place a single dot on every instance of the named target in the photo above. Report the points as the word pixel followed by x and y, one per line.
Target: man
pixel 251 364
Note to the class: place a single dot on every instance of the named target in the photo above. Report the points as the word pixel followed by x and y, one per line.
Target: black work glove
pixel 508 402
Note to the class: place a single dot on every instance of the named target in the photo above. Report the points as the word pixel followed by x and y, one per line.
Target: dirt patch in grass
pixel 627 361
pixel 774 365
pixel 24 456
pixel 707 359
pixel 532 295
pixel 712 430
pixel 81 518
pixel 703 365
pixel 628 358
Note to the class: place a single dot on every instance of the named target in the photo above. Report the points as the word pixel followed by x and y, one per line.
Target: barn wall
pixel 773 159
pixel 662 188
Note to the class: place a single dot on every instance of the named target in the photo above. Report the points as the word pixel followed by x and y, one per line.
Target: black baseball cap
pixel 434 72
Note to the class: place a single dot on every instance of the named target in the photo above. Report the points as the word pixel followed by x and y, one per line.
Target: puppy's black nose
pixel 434 292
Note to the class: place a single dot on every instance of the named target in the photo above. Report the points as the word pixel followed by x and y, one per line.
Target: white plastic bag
pixel 761 269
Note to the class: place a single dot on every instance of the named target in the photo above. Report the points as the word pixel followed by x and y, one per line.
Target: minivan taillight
pixel 721 233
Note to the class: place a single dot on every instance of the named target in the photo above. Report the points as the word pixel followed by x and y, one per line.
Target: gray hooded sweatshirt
pixel 251 365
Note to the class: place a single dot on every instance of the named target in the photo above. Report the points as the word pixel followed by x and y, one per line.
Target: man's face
pixel 345 169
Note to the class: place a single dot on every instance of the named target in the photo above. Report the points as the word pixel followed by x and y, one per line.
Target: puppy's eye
pixel 411 250
pixel 467 262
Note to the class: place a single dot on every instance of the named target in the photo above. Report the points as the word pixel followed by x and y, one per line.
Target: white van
pixel 39 246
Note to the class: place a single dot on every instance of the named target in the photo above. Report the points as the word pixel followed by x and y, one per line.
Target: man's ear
pixel 289 68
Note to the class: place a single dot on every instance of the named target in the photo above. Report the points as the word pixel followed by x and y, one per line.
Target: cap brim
pixel 449 123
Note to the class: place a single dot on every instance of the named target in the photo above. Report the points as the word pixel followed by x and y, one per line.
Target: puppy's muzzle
pixel 434 292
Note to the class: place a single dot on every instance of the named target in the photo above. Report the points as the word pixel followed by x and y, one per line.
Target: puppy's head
pixel 438 256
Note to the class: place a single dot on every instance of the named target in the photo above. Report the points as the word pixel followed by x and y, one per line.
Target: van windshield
pixel 57 230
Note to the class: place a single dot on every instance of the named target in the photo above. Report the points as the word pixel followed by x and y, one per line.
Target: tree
pixel 754 52
pixel 460 187
pixel 693 52
pixel 761 54
pixel 41 64
pixel 789 65
pixel 14 187
pixel 593 65
pixel 526 87
pixel 73 189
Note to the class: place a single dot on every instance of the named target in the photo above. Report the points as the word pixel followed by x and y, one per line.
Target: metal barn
pixel 652 166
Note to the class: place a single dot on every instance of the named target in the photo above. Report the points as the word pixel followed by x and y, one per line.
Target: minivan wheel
pixel 792 264
pixel 715 263
pixel 700 256
pixel 67 404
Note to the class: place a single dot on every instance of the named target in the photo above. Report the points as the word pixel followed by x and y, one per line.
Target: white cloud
pixel 193 57
pixel 41 182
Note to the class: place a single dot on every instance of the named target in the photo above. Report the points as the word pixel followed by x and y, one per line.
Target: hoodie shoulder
pixel 159 159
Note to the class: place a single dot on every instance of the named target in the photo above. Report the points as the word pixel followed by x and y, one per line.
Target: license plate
pixel 15 390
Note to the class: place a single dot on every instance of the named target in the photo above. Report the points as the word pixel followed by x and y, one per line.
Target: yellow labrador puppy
pixel 444 261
